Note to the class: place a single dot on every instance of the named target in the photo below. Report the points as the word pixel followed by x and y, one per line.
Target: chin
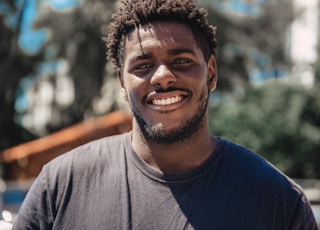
pixel 169 131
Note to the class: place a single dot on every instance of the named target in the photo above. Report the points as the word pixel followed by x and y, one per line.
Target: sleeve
pixel 35 212
pixel 303 217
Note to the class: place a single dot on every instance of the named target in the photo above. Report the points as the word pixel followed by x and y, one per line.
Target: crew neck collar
pixel 176 177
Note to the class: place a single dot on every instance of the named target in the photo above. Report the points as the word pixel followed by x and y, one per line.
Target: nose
pixel 163 77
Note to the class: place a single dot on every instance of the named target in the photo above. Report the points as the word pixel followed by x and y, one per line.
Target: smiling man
pixel 169 172
pixel 167 81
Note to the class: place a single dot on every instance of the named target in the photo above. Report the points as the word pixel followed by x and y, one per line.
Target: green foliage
pixel 247 42
pixel 281 122
pixel 74 36
pixel 278 121
pixel 14 66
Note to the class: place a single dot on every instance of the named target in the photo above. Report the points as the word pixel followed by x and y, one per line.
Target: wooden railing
pixel 26 160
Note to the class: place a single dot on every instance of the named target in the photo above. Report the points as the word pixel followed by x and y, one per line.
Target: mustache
pixel 170 89
pixel 166 90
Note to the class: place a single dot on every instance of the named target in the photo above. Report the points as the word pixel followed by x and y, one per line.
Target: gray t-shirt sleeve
pixel 35 212
pixel 72 188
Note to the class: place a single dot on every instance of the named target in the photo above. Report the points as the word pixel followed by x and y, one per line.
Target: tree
pixel 14 66
pixel 75 37
pixel 244 43
pixel 247 42
pixel 279 121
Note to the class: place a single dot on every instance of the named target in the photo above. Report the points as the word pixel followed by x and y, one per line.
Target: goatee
pixel 157 134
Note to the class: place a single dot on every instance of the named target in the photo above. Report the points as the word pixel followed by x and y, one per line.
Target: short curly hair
pixel 133 13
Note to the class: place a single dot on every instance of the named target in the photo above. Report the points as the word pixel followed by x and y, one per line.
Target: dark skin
pixel 157 57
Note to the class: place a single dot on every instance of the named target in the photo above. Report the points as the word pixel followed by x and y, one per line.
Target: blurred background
pixel 57 90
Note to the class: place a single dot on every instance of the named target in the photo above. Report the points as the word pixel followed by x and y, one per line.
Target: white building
pixel 304 40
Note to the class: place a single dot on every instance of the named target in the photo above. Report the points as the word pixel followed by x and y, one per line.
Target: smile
pixel 167 101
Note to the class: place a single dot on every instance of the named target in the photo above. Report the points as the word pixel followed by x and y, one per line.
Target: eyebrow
pixel 177 51
pixel 140 57
pixel 170 52
pixel 180 51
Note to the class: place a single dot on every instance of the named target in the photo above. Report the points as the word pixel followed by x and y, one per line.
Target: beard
pixel 158 134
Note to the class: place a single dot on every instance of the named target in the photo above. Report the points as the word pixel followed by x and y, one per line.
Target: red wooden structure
pixel 26 160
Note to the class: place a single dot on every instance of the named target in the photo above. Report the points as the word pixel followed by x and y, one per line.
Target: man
pixel 169 172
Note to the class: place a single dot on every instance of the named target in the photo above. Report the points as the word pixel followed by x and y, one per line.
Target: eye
pixel 182 62
pixel 142 66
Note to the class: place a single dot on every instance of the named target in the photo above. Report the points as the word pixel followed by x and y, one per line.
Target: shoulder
pixel 248 176
pixel 248 161
pixel 102 152
pixel 251 175
pixel 251 168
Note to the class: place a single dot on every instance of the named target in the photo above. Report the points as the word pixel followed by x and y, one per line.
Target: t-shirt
pixel 105 185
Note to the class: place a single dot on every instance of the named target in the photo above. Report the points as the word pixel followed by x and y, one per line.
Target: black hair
pixel 133 13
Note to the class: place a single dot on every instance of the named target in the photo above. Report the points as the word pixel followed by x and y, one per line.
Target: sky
pixel 30 39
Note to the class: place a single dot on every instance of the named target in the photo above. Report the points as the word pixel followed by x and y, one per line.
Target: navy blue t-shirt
pixel 105 185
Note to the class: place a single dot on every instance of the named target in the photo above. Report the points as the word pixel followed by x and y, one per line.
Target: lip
pixel 167 101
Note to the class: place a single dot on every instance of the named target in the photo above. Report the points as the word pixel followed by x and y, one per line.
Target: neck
pixel 176 157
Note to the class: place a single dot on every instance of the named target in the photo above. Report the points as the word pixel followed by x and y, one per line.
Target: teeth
pixel 167 101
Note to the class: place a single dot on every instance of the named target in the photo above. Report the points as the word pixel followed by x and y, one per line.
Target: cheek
pixel 134 96
pixel 205 85
pixel 136 88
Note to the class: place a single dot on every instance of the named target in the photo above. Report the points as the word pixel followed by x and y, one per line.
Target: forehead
pixel 160 34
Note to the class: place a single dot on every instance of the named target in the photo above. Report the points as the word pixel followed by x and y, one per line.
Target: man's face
pixel 166 81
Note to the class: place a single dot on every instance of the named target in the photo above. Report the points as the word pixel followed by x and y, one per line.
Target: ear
pixel 212 73
pixel 123 91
